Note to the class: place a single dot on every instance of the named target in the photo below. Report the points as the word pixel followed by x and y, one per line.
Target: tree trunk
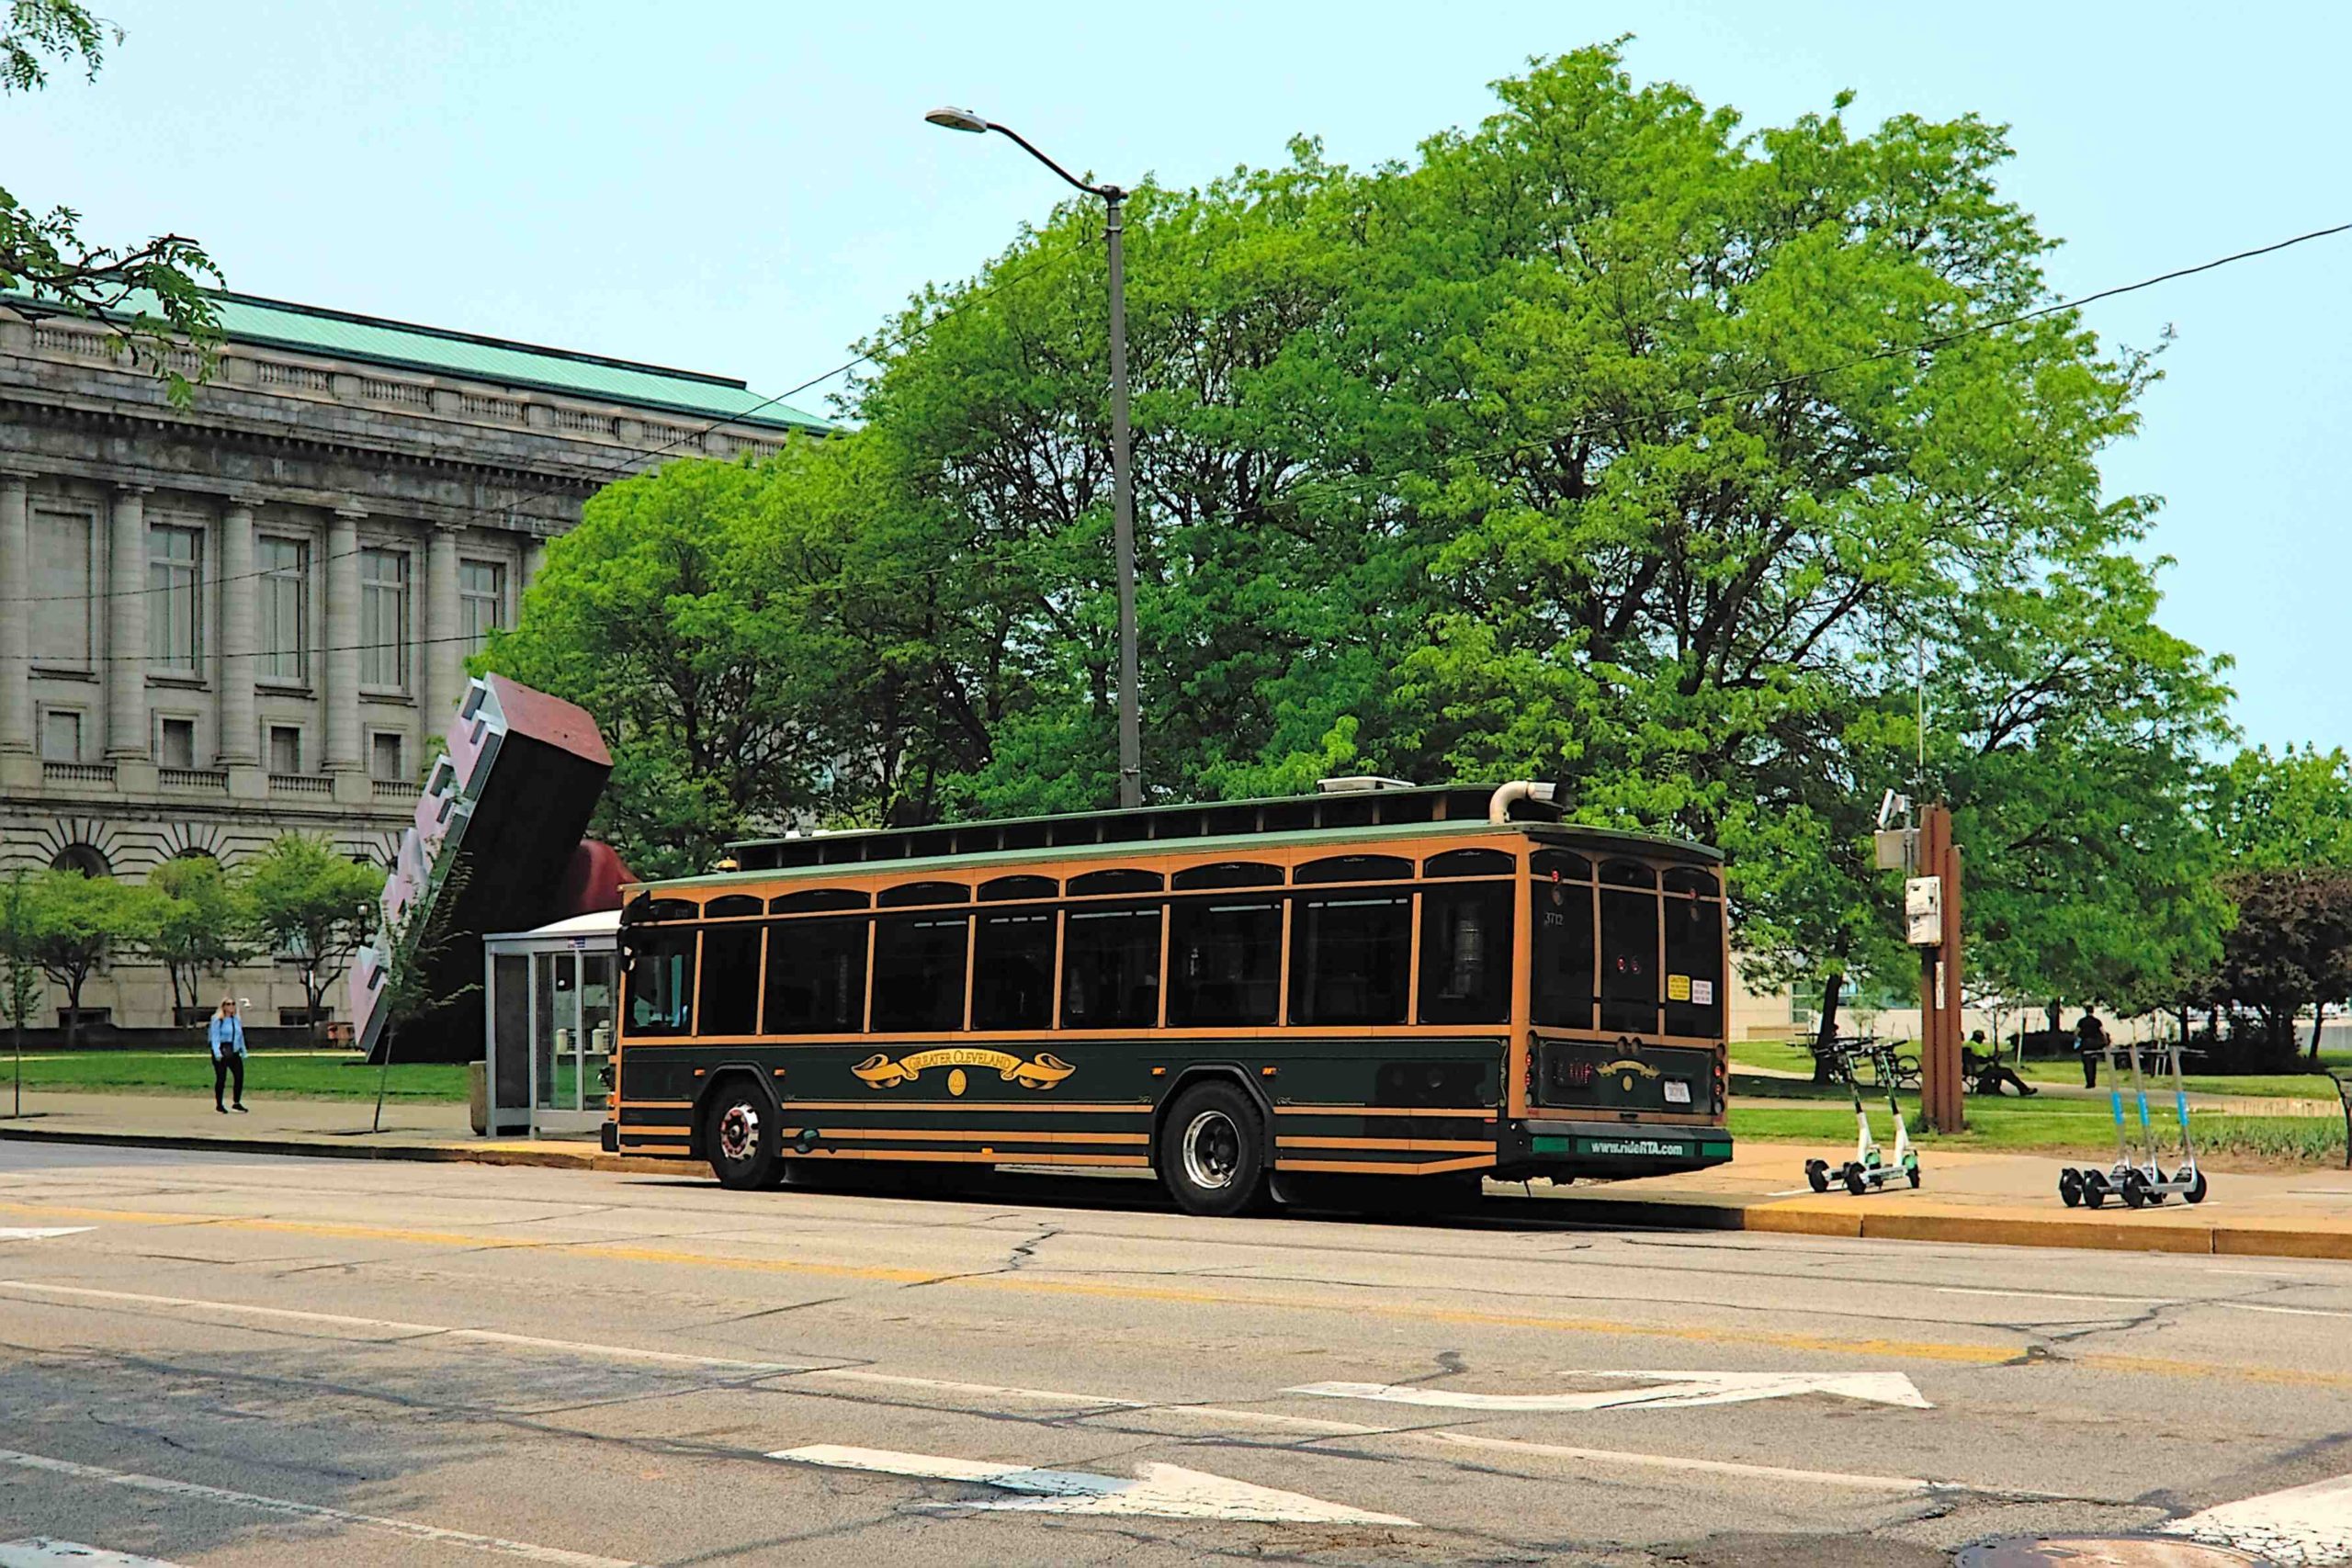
pixel 73 1013
pixel 2319 1016
pixel 1831 990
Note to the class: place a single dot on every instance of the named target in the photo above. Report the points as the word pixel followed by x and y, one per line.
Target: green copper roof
pixel 245 319
pixel 309 329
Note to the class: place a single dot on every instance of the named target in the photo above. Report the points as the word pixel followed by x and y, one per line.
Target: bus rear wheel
pixel 740 1135
pixel 1212 1153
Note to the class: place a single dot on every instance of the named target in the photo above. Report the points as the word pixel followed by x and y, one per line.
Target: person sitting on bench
pixel 1985 1074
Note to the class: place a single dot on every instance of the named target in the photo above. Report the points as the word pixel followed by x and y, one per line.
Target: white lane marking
pixel 936 1385
pixel 415 1330
pixel 2284 1311
pixel 1677 1390
pixel 1699 1466
pixel 285 1508
pixel 2304 1525
pixel 2054 1296
pixel 1163 1491
pixel 43 1552
pixel 40 1233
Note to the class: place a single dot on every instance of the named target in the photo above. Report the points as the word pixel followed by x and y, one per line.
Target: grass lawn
pixel 2080 1128
pixel 294 1075
pixel 1786 1057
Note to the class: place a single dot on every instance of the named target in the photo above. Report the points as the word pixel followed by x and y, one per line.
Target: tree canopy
pixel 1609 441
pixel 150 295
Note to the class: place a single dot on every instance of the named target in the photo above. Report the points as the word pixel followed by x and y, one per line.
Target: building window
pixel 285 608
pixel 481 601
pixel 386 759
pixel 176 743
pixel 383 620
pixel 62 585
pixel 285 749
pixel 61 734
pixel 174 614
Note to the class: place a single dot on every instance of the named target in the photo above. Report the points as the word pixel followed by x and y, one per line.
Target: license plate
pixel 1676 1092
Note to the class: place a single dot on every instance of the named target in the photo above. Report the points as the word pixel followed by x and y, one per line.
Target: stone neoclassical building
pixel 223 622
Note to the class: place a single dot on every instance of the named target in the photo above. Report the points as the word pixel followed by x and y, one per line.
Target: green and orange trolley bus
pixel 1439 983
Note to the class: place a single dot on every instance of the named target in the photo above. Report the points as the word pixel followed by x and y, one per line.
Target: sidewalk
pixel 337 1129
pixel 2005 1199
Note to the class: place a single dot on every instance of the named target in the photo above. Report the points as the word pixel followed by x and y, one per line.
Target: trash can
pixel 478 1096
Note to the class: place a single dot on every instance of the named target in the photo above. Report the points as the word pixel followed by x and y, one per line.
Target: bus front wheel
pixel 1212 1153
pixel 740 1135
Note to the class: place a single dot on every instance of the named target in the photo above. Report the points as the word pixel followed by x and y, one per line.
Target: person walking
pixel 228 1039
pixel 2090 1040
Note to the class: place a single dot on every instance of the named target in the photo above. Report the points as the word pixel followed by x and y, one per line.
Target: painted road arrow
pixel 38 1233
pixel 1164 1491
pixel 1666 1390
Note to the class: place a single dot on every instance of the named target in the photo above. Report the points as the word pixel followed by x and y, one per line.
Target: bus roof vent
pixel 1358 784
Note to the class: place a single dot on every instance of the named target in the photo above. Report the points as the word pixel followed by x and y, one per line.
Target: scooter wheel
pixel 1854 1181
pixel 1817 1173
pixel 2196 1193
pixel 2135 1190
pixel 1915 1177
pixel 2070 1186
pixel 2093 1194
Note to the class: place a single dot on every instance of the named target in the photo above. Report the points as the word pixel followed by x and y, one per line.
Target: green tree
pixel 316 905
pixel 202 922
pixel 149 296
pixel 78 922
pixel 20 971
pixel 2274 812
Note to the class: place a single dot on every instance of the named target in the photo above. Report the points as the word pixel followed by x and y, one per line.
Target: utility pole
pixel 1122 500
pixel 1940 972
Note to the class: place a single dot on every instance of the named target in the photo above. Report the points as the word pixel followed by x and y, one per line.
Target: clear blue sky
pixel 748 187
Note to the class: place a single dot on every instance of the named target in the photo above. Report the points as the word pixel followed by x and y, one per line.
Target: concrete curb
pixel 431 1154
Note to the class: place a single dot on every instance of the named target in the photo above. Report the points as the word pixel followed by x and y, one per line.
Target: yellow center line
pixel 1028 1284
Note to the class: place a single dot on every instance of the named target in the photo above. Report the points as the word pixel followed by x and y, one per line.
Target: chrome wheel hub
pixel 1212 1151
pixel 739 1132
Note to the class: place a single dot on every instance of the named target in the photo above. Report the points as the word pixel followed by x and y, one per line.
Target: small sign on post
pixel 1923 911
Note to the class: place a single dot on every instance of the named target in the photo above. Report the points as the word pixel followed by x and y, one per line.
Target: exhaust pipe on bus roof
pixel 1498 805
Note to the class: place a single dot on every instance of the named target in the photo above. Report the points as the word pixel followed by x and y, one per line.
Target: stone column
pixel 239 741
pixel 340 694
pixel 534 556
pixel 127 599
pixel 442 675
pixel 15 618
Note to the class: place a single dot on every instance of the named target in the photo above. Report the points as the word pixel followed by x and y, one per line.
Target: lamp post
pixel 1122 485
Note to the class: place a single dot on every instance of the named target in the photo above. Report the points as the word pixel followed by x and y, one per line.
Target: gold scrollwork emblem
pixel 1043 1070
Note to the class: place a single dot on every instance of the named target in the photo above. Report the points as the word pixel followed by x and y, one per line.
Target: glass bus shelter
pixel 551 994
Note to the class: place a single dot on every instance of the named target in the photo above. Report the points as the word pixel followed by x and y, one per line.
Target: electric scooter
pixel 2136 1177
pixel 1871 1166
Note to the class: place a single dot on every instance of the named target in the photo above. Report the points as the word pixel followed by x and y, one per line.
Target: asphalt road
pixel 226 1362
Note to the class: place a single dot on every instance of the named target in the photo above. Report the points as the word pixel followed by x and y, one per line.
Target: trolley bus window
pixel 815 981
pixel 919 973
pixel 1629 939
pixel 1110 967
pixel 1469 862
pixel 1227 961
pixel 1350 958
pixel 1012 968
pixel 1694 957
pixel 662 984
pixel 730 979
pixel 1466 954
pixel 1564 978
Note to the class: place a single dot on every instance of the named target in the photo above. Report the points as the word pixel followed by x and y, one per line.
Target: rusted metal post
pixel 1940 983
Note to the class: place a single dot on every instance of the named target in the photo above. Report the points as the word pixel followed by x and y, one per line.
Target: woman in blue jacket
pixel 228 1037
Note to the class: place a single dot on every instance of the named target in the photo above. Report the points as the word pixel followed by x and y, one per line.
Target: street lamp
pixel 1122 486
